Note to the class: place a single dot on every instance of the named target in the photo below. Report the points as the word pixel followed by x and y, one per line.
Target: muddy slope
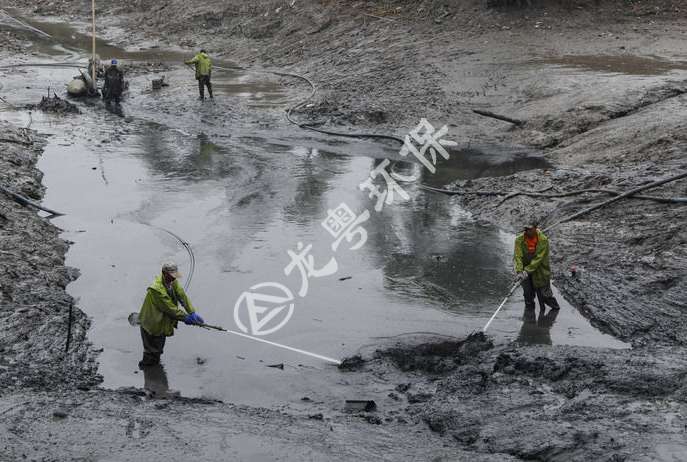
pixel 37 313
pixel 381 66
pixel 541 403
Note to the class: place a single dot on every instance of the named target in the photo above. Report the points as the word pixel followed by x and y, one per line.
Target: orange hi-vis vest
pixel 531 243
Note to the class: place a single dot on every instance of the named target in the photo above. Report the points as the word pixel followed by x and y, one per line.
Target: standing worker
pixel 531 258
pixel 160 313
pixel 114 83
pixel 203 72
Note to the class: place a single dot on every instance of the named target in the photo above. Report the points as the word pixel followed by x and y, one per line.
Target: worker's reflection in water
pixel 537 331
pixel 155 380
pixel 115 109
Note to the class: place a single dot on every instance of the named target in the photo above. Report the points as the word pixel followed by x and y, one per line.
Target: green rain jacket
pixel 203 66
pixel 537 263
pixel 160 312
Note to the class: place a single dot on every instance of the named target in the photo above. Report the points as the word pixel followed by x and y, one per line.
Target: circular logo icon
pixel 266 304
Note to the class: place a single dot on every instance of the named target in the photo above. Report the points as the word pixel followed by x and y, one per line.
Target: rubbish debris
pixel 360 405
pixel 56 104
pixel 353 363
pixel 77 87
pixel 161 82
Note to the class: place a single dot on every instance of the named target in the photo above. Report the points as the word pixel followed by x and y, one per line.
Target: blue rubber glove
pixel 193 318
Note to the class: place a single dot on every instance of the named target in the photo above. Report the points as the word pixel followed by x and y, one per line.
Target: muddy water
pixel 243 188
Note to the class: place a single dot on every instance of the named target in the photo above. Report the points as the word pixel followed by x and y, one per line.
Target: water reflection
pixel 427 249
pixel 313 182
pixel 155 380
pixel 207 147
pixel 537 330
pixel 176 154
pixel 63 40
pixel 114 108
pixel 477 162
pixel 426 252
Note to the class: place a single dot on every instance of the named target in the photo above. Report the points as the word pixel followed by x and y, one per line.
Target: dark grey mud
pixel 463 399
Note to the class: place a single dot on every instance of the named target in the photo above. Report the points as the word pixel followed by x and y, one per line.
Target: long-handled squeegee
pixel 515 286
pixel 133 320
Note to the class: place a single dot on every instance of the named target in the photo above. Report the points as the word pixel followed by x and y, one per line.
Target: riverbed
pixel 228 189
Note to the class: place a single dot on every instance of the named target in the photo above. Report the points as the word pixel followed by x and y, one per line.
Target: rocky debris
pixel 37 316
pixel 561 391
pixel 57 105
pixel 435 357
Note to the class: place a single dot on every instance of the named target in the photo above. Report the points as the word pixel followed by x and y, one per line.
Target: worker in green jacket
pixel 160 312
pixel 203 72
pixel 531 258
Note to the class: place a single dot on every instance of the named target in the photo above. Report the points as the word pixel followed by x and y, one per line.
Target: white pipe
pixel 286 347
pixel 515 286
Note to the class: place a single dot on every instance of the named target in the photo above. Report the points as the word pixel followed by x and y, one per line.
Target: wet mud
pixel 442 398
pixel 55 104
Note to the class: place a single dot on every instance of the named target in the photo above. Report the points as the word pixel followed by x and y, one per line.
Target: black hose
pixel 192 257
pixel 69 327
pixel 23 200
pixel 452 193
pixel 312 93
pixel 76 65
pixel 617 198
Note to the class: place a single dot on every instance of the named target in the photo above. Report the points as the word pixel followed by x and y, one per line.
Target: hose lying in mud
pixel 669 200
pixel 302 103
pixel 76 65
pixel 24 25
pixel 498 116
pixel 666 200
pixel 617 198
pixel 24 201
pixel 69 327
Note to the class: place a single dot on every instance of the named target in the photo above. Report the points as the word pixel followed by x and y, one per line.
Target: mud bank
pixel 382 68
pixel 43 338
